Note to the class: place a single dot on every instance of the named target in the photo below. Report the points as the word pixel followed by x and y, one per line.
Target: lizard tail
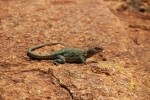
pixel 40 57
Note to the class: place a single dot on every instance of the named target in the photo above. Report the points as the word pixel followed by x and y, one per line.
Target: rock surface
pixel 113 74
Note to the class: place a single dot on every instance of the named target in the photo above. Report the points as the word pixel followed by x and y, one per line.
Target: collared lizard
pixel 69 55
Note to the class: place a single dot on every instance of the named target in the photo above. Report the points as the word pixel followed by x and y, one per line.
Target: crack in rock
pixel 57 82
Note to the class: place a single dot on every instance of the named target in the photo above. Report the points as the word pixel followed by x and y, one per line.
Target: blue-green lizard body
pixel 69 55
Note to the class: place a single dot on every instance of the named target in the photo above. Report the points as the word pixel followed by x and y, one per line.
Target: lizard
pixel 64 55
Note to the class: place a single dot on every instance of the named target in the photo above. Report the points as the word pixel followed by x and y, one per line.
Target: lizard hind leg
pixel 60 60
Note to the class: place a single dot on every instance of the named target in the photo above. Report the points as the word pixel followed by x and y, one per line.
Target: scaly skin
pixel 70 55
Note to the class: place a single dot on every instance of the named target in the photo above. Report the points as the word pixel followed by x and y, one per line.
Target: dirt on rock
pixel 120 72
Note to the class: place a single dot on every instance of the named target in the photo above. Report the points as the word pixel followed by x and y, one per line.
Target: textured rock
pixel 77 23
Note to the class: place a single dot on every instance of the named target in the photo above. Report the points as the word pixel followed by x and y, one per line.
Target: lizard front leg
pixel 82 59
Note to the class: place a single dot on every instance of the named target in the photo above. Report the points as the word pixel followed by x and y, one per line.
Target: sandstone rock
pixel 77 23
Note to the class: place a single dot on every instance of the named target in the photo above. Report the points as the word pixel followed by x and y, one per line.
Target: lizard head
pixel 94 50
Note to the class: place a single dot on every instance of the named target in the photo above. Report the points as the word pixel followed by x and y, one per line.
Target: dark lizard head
pixel 93 50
